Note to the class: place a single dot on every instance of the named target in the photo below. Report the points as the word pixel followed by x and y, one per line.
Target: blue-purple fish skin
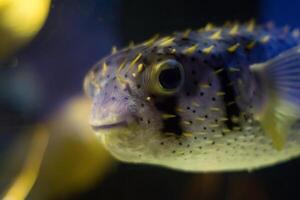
pixel 192 100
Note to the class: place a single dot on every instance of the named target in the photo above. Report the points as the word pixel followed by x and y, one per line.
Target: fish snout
pixel 113 113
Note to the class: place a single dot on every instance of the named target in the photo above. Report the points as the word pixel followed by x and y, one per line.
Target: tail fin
pixel 281 77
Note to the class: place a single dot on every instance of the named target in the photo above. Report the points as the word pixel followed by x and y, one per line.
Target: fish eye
pixel 167 77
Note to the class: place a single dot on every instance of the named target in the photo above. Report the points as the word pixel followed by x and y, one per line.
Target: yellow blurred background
pixel 20 21
pixel 61 155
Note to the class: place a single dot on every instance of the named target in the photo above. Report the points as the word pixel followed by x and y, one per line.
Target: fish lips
pixel 113 121
pixel 107 126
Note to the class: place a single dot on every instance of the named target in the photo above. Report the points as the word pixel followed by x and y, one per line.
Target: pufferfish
pixel 214 99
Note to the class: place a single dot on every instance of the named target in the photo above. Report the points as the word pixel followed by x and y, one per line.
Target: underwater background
pixel 42 76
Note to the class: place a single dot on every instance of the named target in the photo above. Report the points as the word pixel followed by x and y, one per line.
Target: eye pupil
pixel 170 78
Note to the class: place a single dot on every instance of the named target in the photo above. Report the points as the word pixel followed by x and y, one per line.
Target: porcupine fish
pixel 216 99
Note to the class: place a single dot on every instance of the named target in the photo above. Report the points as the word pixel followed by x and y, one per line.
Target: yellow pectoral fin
pixel 277 121
pixel 273 130
pixel 280 79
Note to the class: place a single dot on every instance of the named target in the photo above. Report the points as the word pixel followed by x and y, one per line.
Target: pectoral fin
pixel 281 78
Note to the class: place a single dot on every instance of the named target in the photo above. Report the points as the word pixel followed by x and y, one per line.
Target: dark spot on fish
pixel 185 39
pixel 193 59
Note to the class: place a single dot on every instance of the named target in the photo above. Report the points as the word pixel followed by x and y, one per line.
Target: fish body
pixel 199 100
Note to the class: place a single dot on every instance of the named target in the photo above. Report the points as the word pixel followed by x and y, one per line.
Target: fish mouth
pixel 120 124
